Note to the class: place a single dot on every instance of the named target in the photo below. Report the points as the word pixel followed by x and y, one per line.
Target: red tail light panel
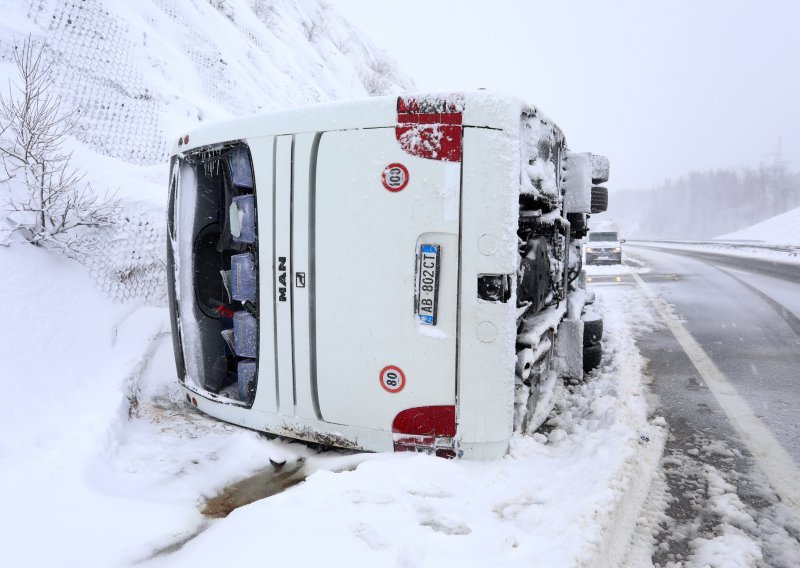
pixel 430 127
pixel 429 429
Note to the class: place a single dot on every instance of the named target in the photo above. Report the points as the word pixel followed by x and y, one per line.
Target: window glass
pixel 602 236
pixel 241 171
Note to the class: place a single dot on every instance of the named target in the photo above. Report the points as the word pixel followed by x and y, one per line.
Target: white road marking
pixel 772 459
pixel 736 270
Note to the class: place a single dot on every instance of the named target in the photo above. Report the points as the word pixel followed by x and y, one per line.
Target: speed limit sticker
pixel 395 177
pixel 392 379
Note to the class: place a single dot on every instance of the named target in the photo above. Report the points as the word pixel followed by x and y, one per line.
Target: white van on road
pixel 604 247
pixel 389 274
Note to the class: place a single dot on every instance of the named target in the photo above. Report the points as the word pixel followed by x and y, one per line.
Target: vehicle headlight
pixel 617 249
pixel 589 250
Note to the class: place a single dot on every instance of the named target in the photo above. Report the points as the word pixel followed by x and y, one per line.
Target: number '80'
pixel 392 379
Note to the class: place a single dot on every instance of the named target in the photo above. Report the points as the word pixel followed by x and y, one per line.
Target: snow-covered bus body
pixel 370 274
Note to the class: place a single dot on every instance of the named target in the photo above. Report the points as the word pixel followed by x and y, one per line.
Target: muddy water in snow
pixel 261 485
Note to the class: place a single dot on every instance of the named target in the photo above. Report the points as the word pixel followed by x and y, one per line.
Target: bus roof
pixel 477 108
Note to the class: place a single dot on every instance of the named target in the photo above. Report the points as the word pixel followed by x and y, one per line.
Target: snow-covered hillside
pixel 142 72
pixel 781 229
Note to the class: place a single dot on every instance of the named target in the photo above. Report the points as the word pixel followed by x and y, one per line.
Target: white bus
pixel 389 274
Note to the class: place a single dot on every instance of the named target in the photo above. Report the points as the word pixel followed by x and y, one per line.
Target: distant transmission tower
pixel 779 195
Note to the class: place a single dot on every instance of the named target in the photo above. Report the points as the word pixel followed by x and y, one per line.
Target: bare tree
pixel 311 29
pixel 224 7
pixel 376 78
pixel 342 43
pixel 49 204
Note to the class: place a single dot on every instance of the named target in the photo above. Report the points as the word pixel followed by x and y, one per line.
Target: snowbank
pixel 781 229
pixel 776 239
pixel 111 465
pixel 774 252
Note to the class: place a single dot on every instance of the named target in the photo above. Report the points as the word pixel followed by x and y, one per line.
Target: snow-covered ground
pixel 105 462
pixel 629 265
pixel 781 229
pixel 744 249
pixel 777 238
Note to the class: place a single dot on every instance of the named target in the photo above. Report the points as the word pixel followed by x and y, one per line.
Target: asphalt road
pixel 725 368
pixel 745 314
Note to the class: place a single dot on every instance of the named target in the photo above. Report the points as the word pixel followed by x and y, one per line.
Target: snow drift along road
pixel 108 465
pixel 781 229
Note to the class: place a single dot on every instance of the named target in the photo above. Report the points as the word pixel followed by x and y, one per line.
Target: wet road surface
pixel 743 317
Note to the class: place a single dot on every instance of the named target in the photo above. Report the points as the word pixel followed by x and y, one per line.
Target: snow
pixel 789 254
pixel 629 265
pixel 781 229
pixel 110 462
pixel 144 72
pixel 776 239
pixel 184 287
pixel 541 172
pixel 731 549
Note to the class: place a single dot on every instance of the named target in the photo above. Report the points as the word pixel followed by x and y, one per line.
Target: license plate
pixel 427 283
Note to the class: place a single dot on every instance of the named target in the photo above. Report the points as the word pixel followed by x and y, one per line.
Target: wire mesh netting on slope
pixel 139 72
pixel 129 262
pixel 96 70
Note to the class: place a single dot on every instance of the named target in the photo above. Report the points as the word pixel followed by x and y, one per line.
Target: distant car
pixel 604 247
pixel 361 274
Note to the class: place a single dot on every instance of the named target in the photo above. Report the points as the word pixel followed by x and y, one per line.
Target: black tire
pixel 599 199
pixel 577 225
pixel 592 331
pixel 591 357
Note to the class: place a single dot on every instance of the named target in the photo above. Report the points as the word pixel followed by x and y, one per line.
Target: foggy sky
pixel 660 88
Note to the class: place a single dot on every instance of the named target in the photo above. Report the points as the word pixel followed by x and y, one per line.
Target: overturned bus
pixel 389 274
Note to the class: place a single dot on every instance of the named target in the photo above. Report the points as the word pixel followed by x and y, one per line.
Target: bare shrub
pixel 376 78
pixel 379 66
pixel 342 43
pixel 259 7
pixel 224 7
pixel 264 12
pixel 315 28
pixel 49 204
pixel 311 29
pixel 374 84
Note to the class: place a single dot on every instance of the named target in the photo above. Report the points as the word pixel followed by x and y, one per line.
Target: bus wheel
pixel 591 357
